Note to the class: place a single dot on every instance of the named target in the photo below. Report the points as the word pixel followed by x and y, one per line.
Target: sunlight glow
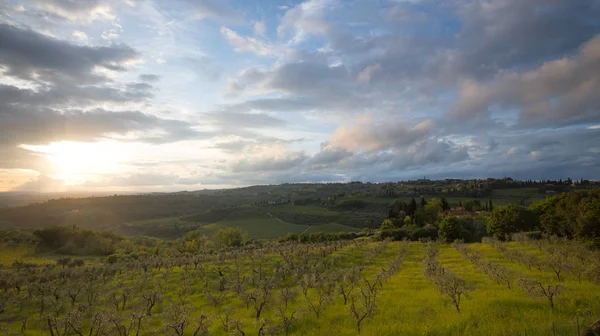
pixel 76 162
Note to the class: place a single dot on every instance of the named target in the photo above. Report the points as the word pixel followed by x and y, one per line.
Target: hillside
pixel 268 211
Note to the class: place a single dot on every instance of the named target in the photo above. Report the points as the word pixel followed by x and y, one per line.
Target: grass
pixel 411 306
pixel 302 209
pixel 269 228
pixel 408 304
pixel 259 226
pixel 23 253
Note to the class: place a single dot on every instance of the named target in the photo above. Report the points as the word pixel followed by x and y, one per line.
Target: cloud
pixel 79 35
pixel 42 184
pixel 149 78
pixel 20 125
pixel 559 92
pixel 303 20
pixel 29 55
pixel 271 105
pixel 76 10
pixel 370 135
pixel 216 10
pixel 376 90
pixel 515 34
pixel 144 180
pixel 328 155
pixel 247 44
pixel 260 28
pixel 266 158
pixel 231 121
pixel 365 75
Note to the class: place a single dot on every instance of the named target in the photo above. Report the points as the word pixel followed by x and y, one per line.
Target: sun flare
pixel 76 162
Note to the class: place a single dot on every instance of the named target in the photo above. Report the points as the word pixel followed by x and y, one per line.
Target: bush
pixel 393 233
pixel 230 237
pixel 428 231
pixel 112 259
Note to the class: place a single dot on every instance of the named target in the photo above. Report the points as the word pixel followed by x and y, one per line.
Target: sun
pixel 76 162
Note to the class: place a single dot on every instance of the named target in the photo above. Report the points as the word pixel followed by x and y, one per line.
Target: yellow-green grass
pixel 23 253
pixel 408 304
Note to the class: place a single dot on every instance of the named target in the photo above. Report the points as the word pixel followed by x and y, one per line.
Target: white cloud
pixel 260 28
pixel 79 35
pixel 249 44
pixel 110 35
pixel 303 20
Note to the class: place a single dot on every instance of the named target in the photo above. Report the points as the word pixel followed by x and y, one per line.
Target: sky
pixel 143 95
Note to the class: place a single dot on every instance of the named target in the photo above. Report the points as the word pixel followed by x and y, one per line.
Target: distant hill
pixel 265 211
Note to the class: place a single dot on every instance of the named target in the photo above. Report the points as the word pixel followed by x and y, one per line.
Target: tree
pixel 362 306
pixel 572 214
pixel 230 237
pixel 412 207
pixel 508 220
pixel 445 205
pixel 537 289
pixel 449 228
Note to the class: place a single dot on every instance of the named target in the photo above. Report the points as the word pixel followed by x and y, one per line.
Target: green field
pixel 9 253
pixel 407 303
pixel 264 227
pixel 270 228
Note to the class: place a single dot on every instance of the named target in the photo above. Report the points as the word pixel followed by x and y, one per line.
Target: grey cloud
pixel 234 120
pixel 74 10
pixel 559 92
pixel 271 104
pixel 140 86
pixel 65 96
pixel 268 163
pixel 151 78
pixel 328 155
pixel 19 158
pixel 236 146
pixel 517 34
pixel 20 125
pixel 25 53
pixel 430 152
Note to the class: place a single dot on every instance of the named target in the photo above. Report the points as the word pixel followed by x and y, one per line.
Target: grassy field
pixel 407 302
pixel 9 253
pixel 261 224
pixel 411 306
pixel 270 228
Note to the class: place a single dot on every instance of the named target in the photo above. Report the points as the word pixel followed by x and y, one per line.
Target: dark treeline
pixel 571 215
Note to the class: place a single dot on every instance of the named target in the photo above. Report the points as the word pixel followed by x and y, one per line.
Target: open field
pixel 406 301
pixel 9 253
pixel 263 227
pixel 270 228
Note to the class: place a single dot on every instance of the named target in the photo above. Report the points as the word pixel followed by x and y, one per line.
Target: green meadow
pixel 221 294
